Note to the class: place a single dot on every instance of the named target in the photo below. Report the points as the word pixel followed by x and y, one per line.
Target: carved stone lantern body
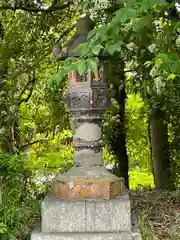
pixel 87 99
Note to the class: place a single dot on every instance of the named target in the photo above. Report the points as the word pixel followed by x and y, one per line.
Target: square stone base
pixel 91 215
pixel 91 219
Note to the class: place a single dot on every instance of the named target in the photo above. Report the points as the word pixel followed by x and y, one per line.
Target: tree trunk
pixel 119 136
pixel 149 136
pixel 121 151
pixel 160 152
pixel 11 140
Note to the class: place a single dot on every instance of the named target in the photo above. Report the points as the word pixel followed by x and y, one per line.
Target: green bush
pixel 55 155
pixel 25 180
pixel 18 208
pixel 137 141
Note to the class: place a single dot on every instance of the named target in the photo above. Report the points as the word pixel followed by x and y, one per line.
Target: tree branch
pixel 25 88
pixel 65 33
pixel 31 90
pixel 32 143
pixel 52 8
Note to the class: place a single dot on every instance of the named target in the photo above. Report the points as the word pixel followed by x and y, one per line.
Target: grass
pixel 140 180
pixel 146 230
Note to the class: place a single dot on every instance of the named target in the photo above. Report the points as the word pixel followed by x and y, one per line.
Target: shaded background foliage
pixel 35 131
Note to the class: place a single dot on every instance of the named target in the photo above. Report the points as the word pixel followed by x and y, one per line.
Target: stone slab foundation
pixel 91 219
pixel 81 236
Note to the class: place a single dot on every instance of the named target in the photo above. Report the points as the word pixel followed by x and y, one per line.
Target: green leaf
pixel 92 65
pixel 162 56
pixel 118 46
pixel 177 26
pixel 70 59
pixel 172 76
pixel 173 67
pixel 143 21
pixel 81 67
pixel 91 33
pixel 162 2
pixel 57 78
pixel 83 49
pixel 130 2
pixel 158 62
pixel 3 228
pixel 96 49
pixel 111 48
pixel 123 15
pixel 69 67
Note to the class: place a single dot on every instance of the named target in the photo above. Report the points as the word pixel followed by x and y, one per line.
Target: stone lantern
pixel 87 99
pixel 87 202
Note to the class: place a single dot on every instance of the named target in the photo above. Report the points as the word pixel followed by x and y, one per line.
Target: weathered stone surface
pixel 95 215
pixel 82 183
pixel 80 189
pixel 88 132
pixel 88 157
pixel 37 235
pixel 135 234
pixel 90 217
pixel 102 236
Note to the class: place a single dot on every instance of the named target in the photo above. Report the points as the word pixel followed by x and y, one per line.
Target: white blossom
pixel 154 72
pixel 3 113
pixel 152 48
pixel 2 131
pixel 131 46
pixel 2 93
pixel 178 41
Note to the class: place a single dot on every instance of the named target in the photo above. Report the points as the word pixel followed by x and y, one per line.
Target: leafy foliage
pixel 34 122
pixel 137 133
pixel 140 34
pixel 32 117
pixel 18 208
pixel 24 182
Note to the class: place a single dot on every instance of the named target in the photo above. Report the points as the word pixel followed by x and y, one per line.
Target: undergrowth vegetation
pixel 25 180
pixel 20 204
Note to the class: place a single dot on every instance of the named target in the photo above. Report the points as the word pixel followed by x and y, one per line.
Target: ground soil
pixel 159 212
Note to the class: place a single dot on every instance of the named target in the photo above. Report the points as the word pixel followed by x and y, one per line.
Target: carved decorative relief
pixel 79 100
pixel 95 146
pixel 91 99
pixel 99 99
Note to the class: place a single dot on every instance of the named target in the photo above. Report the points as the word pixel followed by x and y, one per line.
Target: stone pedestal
pixel 88 219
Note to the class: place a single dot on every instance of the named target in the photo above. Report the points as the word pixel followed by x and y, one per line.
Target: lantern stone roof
pixel 84 25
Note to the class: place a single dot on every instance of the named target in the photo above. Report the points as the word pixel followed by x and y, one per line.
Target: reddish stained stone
pixel 72 190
